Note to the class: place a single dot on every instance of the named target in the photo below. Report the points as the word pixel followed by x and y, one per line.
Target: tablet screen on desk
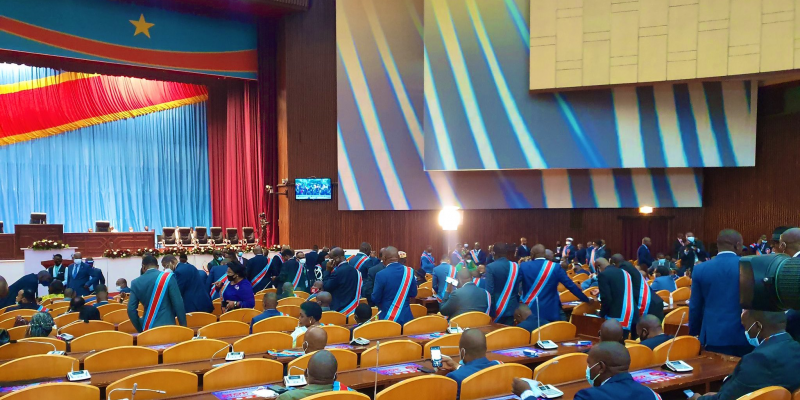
pixel 518 352
pixel 243 393
pixel 9 389
pixel 398 369
pixel 653 375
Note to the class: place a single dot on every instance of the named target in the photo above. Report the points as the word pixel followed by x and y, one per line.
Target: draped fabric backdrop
pixel 149 170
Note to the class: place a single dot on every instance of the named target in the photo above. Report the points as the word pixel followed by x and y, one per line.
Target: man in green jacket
pixel 320 375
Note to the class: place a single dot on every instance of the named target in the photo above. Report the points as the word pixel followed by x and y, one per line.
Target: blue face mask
pixel 461 361
pixel 219 258
pixel 752 340
pixel 241 254
pixel 690 238
pixel 589 374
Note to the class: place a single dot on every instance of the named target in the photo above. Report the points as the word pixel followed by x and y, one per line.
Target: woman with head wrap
pixel 41 325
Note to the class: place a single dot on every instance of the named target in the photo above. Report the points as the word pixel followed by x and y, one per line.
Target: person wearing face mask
pixel 96 275
pixel 320 375
pixel 217 280
pixel 472 351
pixel 774 361
pixel 315 339
pixel 58 269
pixel 239 293
pixel 79 275
pixel 567 252
pixel 650 332
pixel 315 289
pixel 159 295
pixel 714 310
pixel 761 247
pixel 468 297
pixel 216 260
pixel 293 271
pixel 240 257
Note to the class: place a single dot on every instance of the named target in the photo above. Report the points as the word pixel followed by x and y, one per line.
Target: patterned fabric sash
pixel 361 262
pixel 399 300
pixel 296 280
pixel 505 295
pixel 452 274
pixel 474 254
pixel 544 275
pixel 42 309
pixel 626 318
pixel 429 257
pixel 337 386
pixel 644 298
pixel 591 259
pixel 489 302
pixel 224 281
pixel 260 275
pixel 159 291
pixel 459 256
pixel 351 308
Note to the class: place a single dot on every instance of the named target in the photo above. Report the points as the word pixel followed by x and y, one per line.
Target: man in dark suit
pixel 58 270
pixel 643 254
pixel 616 294
pixel 787 241
pixel 191 284
pixel 343 282
pixel 689 256
pixel 540 279
pixel 79 275
pixel 527 319
pixel 567 252
pixel 650 333
pixel 394 287
pixel 361 260
pixel 646 300
pixel 257 270
pixel 677 245
pixel 598 251
pixel 774 361
pixel 30 282
pixel 369 282
pixel 580 254
pixel 714 310
pixel 274 268
pixel 159 290
pixel 522 250
pixel 478 255
pixel 503 281
pixel 468 297
pixel 426 260
pixel 311 256
pixel 216 259
pixel 293 272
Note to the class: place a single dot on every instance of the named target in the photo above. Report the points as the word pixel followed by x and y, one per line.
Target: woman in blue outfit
pixel 239 291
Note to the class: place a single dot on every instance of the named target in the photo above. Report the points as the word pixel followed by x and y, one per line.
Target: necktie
pixel 75 270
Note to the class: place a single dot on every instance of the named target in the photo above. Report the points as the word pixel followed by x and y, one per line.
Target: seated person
pixel 287 290
pixel 578 269
pixel 41 325
pixel 649 331
pixel 315 339
pixel 663 280
pixel 362 315
pixel 69 294
pixel 774 362
pixel 607 373
pixel 472 348
pixel 101 291
pixel 315 289
pixel 270 302
pixel 26 300
pixel 468 297
pixel 310 314
pixel 122 286
pixel 89 313
pixel 600 264
pixel 526 319
pixel 55 291
pixel 324 300
pixel 320 375
pixel 611 331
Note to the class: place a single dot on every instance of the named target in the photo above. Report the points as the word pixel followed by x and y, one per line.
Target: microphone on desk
pixel 450 328
pixel 547 391
pixel 547 344
pixel 55 350
pixel 536 378
pixel 294 380
pixel 133 391
pixel 377 354
pixel 81 375
pixel 677 366
pixel 229 346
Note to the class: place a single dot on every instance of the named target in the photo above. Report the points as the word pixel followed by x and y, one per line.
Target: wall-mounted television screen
pixel 312 189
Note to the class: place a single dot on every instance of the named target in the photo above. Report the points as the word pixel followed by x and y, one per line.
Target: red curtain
pixel 236 155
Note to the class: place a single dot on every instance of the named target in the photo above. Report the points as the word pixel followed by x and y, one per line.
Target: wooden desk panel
pixel 94 244
pixel 8 246
pixel 25 235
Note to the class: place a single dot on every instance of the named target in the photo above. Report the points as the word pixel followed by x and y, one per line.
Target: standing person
pixel 568 251
pixel 761 247
pixel 58 269
pixel 79 275
pixel 8 294
pixel 343 282
pixel 580 254
pixel 788 242
pixel 293 272
pixel 216 260
pixel 698 244
pixel 677 245
pixel 503 283
pixel 240 257
pixel 468 297
pixel 369 283
pixel 714 310
pixel 540 279
pixel 440 275
pixel 643 254
pixel 478 256
pixel 257 268
pixel 276 266
pixel 522 250
pixel 455 256
pixel 394 286
pixel 191 284
pixel 426 261
pixel 217 280
pixel 645 298
pixel 598 251
pixel 240 292
pixel 312 256
pixel 616 295
pixel 160 296
pixel 360 261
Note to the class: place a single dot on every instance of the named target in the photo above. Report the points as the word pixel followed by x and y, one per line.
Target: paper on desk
pixel 262 392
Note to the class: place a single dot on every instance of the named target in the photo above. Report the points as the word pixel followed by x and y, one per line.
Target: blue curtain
pixel 150 170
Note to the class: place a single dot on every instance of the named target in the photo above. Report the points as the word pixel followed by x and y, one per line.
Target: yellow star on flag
pixel 142 26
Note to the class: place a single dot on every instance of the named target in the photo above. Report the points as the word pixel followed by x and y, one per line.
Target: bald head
pixel 791 241
pixel 600 264
pixel 322 368
pixel 324 299
pixel 617 259
pixel 336 252
pixel 611 331
pixel 473 341
pixel 608 359
pixel 258 250
pixel 537 251
pixel 270 301
pixel 316 339
pixel 648 326
pixel 548 254
pixel 390 255
pixel 729 240
pixel 522 313
pixel 464 276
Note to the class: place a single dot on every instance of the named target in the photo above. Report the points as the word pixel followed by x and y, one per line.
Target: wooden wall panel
pixel 94 244
pixel 7 246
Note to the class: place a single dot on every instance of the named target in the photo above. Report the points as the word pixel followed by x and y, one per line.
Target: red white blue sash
pixel 400 299
pixel 351 308
pixel 42 309
pixel 626 318
pixel 296 280
pixel 544 275
pixel 489 302
pixel 261 275
pixel 361 262
pixel 474 254
pixel 505 295
pixel 476 281
pixel 644 298
pixel 591 259
pixel 429 257
pixel 452 274
pixel 459 256
pixel 337 386
pixel 224 281
pixel 159 292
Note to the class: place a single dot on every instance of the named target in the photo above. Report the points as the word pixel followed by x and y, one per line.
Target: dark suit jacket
pixel 274 270
pixel 773 363
pixel 714 311
pixel 61 272
pixel 289 271
pixel 581 256
pixel 193 289
pixel 523 251
pixel 465 299
pixel 311 258
pixel 81 279
pixel 29 281
pixel 549 301
pixel 644 256
pixel 254 266
pixel 387 289
pixel 496 276
pixel 618 387
pixel 171 304
pixel 341 283
pixel 611 283
pixel 677 245
pixel 656 304
pixel 369 282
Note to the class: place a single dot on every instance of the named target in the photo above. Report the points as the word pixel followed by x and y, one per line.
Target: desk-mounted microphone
pixel 451 329
pixel 677 366
pixel 548 391
pixel 542 344
pixel 81 375
pixel 55 350
pixel 133 391
pixel 294 380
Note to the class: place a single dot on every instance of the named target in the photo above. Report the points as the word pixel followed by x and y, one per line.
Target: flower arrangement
pixel 205 250
pixel 119 253
pixel 278 247
pixel 47 244
pixel 177 251
pixel 144 251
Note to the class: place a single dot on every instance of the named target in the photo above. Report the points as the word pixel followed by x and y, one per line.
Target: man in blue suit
pixel 217 280
pixel 361 260
pixel 522 250
pixel 540 279
pixel 311 256
pixel 643 254
pixel 503 282
pixel 343 282
pixel 275 266
pixel 79 276
pixel 597 251
pixel 395 286
pixel 8 294
pixel 191 284
pixel 159 290
pixel 714 310
pixel 568 251
pixel 258 268
pixel 426 261
pixel 455 256
pixel 440 275
pixel 472 350
pixel 607 373
pixel 478 255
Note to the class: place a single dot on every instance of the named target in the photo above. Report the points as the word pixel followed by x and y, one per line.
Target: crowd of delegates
pixel 522 293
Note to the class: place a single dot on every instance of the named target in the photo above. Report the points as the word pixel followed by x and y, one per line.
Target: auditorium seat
pixel 426 387
pixel 471 319
pixel 302 294
pixel 378 330
pixel 276 324
pixel 261 293
pixel 185 236
pixel 346 359
pixel 564 368
pixel 36 367
pixel 492 381
pixel 424 293
pixel 17 333
pixel 426 285
pixel 392 352
pixel 291 301
pixel 448 345
pixel 174 382
pixel 224 329
pixel 168 237
pixel 641 356
pixel 682 294
pixel 111 307
pixel 123 357
pixel 418 310
pixel 585 308
pixel 511 336
pixel 249 236
pixel 201 236
pixel 664 294
pixel 80 328
pixel 126 326
pixel 566 296
pixel 290 310
pixel 768 393
pixel 337 334
pixel 7 323
pixel 558 331
pixel 164 335
pixel 216 235
pixel 201 319
pixel 674 317
pixel 426 324
pixel 64 319
pixel 193 350
pixel 20 349
pixel 682 282
pixel 60 344
pixel 241 315
pixel 100 341
pixel 22 313
pixel 57 390
pixel 685 347
pixel 264 341
pixel 351 319
pixel 232 236
pixel 340 395
pixel 247 372
pixel 333 317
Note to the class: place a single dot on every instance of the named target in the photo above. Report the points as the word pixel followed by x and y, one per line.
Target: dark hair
pixel 101 288
pixel 287 252
pixel 183 257
pixel 663 270
pixel 56 287
pixel 29 295
pixel 89 313
pixel 312 310
pixel 57 255
pixel 76 303
pixel 168 259
pixel 149 260
pixel 238 269
pixel 363 312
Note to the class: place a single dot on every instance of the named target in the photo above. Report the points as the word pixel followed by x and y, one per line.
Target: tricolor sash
pixel 351 308
pixel 644 298
pixel 452 274
pixel 489 302
pixel 296 280
pixel 565 252
pixel 541 280
pixel 159 292
pixel 474 255
pixel 361 262
pixel 505 295
pixel 224 281
pixel 626 318
pixel 429 257
pixel 459 256
pixel 42 309
pixel 591 259
pixel 337 386
pixel 399 300
pixel 476 281
pixel 261 275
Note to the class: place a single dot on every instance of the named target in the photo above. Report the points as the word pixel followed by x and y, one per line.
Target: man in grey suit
pixel 468 297
pixel 168 302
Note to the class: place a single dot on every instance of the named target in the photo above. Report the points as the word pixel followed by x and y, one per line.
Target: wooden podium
pixel 25 235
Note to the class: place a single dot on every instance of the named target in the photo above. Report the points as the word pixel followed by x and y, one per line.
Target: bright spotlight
pixel 450 218
pixel 646 210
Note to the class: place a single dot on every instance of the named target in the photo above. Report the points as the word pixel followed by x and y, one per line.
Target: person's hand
pixel 697 395
pixel 449 288
pixel 595 292
pixel 229 306
pixel 217 285
pixel 448 364
pixel 519 386
pixel 329 266
pixel 86 287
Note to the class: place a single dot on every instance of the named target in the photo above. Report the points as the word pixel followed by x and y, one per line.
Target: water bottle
pixel 670 299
